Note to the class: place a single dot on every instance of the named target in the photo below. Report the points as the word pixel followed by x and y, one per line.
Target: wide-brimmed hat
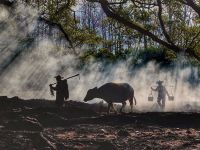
pixel 58 77
pixel 159 82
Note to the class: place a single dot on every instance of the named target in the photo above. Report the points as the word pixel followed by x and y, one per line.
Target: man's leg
pixel 159 102
pixel 108 110
pixel 163 103
pixel 112 106
pixel 60 101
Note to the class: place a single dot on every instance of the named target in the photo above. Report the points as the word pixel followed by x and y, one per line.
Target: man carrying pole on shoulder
pixel 61 88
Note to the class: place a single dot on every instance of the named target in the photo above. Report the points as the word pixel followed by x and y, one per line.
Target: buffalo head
pixel 91 93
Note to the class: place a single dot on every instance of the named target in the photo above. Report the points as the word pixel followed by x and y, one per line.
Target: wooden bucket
pixel 171 98
pixel 150 97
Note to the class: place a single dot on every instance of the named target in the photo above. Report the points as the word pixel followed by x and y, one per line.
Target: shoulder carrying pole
pixel 70 77
pixel 74 76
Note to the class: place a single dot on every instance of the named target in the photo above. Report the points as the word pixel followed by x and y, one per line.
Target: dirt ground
pixel 37 124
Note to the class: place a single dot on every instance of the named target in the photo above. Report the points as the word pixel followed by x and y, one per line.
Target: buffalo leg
pixel 112 106
pixel 131 104
pixel 123 105
pixel 109 105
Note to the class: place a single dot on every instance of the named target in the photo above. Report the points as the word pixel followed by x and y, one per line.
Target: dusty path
pixel 37 125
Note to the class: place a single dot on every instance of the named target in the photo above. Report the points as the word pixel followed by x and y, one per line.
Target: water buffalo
pixel 113 92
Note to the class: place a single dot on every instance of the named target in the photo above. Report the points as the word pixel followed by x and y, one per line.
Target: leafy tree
pixel 130 24
pixel 164 22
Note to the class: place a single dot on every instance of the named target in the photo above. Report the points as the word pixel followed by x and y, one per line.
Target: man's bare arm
pixel 53 88
pixel 154 89
pixel 167 92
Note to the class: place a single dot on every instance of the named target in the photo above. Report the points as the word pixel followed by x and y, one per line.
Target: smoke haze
pixel 27 72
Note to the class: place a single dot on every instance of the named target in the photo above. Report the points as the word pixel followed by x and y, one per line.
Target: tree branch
pixel 192 4
pixel 51 145
pixel 110 12
pixel 162 22
pixel 59 27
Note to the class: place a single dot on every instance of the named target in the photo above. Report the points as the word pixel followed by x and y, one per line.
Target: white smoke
pixel 30 74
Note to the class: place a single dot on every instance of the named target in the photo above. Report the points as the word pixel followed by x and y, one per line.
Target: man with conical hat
pixel 61 89
pixel 162 92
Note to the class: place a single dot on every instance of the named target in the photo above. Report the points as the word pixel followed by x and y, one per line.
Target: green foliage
pixel 159 55
pixel 84 36
pixel 170 55
pixel 60 12
pixel 107 39
pixel 104 55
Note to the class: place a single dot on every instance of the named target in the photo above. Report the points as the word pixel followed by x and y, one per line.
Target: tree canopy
pixel 116 26
pixel 173 23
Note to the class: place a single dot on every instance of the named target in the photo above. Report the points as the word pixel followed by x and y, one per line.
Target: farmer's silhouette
pixel 61 89
pixel 162 92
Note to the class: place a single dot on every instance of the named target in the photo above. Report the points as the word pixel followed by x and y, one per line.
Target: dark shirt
pixel 61 89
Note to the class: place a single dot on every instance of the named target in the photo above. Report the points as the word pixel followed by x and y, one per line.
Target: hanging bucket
pixel 150 97
pixel 171 98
